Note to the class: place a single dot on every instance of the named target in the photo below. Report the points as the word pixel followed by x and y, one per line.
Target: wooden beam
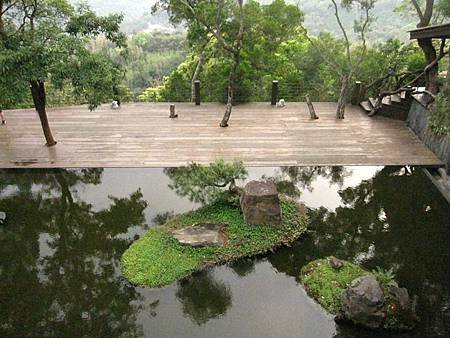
pixel 431 32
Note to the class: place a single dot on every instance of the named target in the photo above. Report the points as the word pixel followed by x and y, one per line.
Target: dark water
pixel 61 246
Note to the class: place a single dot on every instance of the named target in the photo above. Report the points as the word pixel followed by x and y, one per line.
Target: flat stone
pixel 202 234
pixel 260 203
pixel 2 217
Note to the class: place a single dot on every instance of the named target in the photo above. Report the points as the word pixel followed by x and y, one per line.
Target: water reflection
pixel 396 219
pixel 203 297
pixel 293 181
pixel 60 254
pixel 59 258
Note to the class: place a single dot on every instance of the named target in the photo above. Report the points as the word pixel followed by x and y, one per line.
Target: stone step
pixel 387 100
pixel 396 98
pixel 366 106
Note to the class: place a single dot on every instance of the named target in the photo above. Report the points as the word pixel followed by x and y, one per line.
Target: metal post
pixel 274 93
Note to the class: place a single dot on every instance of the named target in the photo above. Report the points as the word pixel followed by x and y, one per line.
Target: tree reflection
pixel 396 219
pixel 203 297
pixel 243 267
pixel 59 258
pixel 292 181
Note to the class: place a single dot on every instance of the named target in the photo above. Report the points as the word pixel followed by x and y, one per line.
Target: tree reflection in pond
pixel 65 279
pixel 293 181
pixel 203 297
pixel 396 219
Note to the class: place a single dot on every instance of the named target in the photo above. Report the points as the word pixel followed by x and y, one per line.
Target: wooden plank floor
pixel 142 135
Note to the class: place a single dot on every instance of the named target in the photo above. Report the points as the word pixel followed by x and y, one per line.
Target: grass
pixel 157 259
pixel 326 284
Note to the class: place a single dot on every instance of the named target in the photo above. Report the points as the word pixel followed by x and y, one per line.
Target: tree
pixel 221 19
pixel 42 41
pixel 349 65
pixel 429 12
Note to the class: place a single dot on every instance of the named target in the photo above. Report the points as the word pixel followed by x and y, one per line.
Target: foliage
pixel 326 284
pixel 386 278
pixel 439 122
pixel 205 184
pixel 150 57
pixel 157 259
pixel 280 53
pixel 50 45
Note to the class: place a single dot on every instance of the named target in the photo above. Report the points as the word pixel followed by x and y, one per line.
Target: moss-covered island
pixel 329 286
pixel 157 259
pixel 326 284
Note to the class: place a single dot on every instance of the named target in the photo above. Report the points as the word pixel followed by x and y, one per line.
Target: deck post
pixel 274 93
pixel 357 93
pixel 197 92
pixel 172 112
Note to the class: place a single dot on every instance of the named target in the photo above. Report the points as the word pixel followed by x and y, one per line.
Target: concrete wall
pixel 418 121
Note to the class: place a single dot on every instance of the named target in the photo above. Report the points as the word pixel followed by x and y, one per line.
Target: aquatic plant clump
pixel 157 259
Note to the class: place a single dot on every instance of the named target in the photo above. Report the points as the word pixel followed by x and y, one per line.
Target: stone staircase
pixel 395 106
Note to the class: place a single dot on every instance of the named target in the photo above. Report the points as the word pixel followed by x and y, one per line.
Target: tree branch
pixel 190 6
pixel 347 41
pixel 418 9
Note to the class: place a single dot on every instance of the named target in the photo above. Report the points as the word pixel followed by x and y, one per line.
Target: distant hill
pixel 319 16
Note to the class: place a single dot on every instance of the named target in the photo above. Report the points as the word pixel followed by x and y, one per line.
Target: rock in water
pixel 2 217
pixel 260 203
pixel 363 302
pixel 203 234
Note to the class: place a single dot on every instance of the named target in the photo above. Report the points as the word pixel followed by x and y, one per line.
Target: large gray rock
pixel 203 234
pixel 260 203
pixel 2 217
pixel 363 301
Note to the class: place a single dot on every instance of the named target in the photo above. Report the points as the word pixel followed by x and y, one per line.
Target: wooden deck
pixel 142 135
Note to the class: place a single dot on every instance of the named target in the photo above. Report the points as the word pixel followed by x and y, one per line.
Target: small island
pixel 370 299
pixel 240 222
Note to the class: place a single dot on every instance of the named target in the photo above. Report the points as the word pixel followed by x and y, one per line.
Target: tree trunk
pixel 430 56
pixel 1 17
pixel 198 70
pixel 40 101
pixel 447 82
pixel 342 101
pixel 231 84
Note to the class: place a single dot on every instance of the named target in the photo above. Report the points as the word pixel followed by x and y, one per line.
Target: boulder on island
pixel 260 203
pixel 202 234
pixel 368 303
pixel 363 302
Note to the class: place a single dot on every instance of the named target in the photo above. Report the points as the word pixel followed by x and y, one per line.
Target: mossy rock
pixel 157 259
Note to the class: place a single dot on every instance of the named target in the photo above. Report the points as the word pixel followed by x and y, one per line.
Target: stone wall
pixel 418 121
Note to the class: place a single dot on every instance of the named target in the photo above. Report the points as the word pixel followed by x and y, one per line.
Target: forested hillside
pixel 319 16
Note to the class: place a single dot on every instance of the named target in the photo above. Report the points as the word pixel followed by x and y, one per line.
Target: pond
pixel 60 254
